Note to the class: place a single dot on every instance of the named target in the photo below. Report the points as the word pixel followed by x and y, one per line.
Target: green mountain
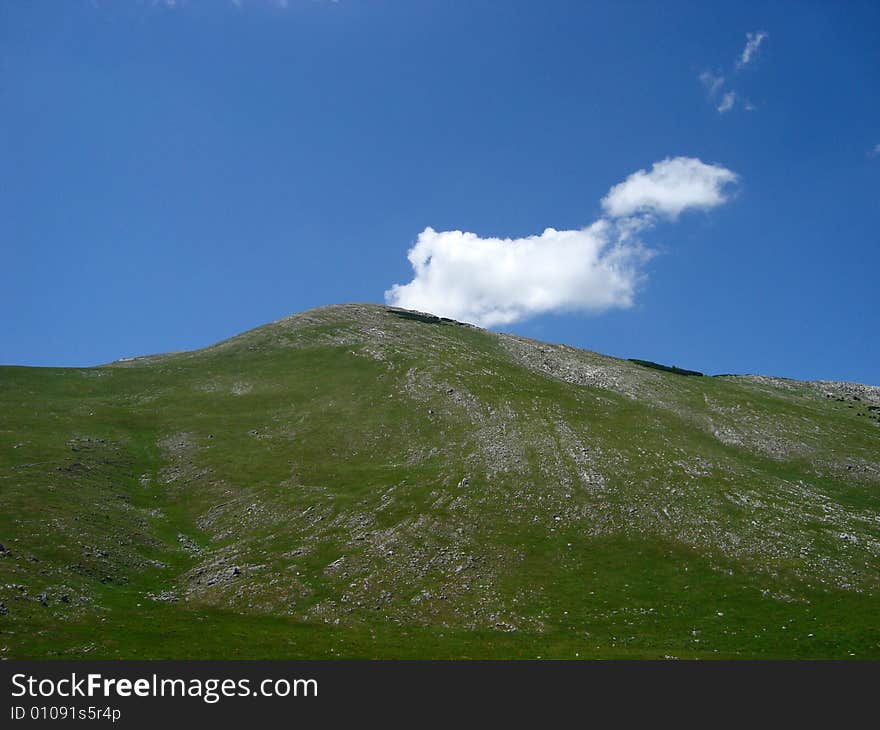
pixel 358 481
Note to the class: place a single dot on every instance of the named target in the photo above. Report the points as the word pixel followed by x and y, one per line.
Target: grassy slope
pixel 351 482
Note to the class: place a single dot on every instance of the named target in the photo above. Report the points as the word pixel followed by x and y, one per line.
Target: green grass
pixel 390 485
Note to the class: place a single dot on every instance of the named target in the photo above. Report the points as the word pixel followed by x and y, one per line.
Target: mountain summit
pixel 366 481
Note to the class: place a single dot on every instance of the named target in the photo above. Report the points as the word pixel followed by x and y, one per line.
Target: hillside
pixel 360 481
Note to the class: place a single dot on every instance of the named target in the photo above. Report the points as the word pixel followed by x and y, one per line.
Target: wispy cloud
pixel 727 102
pixel 280 4
pixel 753 43
pixel 714 82
pixel 875 152
pixel 493 281
pixel 239 4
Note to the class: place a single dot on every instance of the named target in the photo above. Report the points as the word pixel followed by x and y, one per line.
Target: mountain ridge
pixel 331 308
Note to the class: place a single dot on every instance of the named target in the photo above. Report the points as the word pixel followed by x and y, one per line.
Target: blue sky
pixel 173 175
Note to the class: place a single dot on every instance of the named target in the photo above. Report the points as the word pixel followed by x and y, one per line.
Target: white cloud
pixel 875 152
pixel 280 4
pixel 727 102
pixel 493 281
pixel 712 82
pixel 715 82
pixel 672 186
pixel 753 43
